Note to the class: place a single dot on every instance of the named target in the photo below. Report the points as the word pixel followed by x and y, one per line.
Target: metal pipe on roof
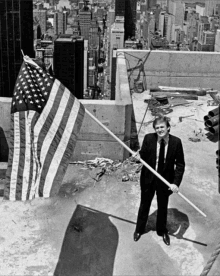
pixel 214 112
pixel 214 130
pixel 213 121
pixel 206 117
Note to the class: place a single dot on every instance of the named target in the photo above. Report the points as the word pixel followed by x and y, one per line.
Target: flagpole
pixel 142 161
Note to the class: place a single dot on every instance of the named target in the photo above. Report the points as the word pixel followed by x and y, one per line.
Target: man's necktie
pixel 161 157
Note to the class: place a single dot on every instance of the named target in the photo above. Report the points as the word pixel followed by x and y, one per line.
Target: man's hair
pixel 161 118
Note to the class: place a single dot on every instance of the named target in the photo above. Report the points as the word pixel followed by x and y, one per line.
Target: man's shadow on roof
pixel 177 224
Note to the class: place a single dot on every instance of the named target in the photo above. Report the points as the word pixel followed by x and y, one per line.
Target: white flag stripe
pixel 51 134
pixel 37 128
pixel 43 116
pixel 61 149
pixel 27 161
pixel 36 167
pixel 16 156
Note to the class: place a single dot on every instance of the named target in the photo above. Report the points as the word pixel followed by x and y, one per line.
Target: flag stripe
pixel 67 103
pixel 10 159
pixel 49 130
pixel 57 157
pixel 43 116
pixel 55 110
pixel 15 158
pixel 19 177
pixel 53 136
pixel 68 153
pixel 36 132
pixel 32 164
pixel 27 161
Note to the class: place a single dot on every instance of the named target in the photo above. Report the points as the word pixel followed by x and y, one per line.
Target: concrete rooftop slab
pixel 88 230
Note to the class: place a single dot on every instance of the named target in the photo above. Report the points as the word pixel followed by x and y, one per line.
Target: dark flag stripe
pixel 54 144
pixel 53 115
pixel 15 157
pixel 68 153
pixel 33 121
pixel 10 159
pixel 58 155
pixel 22 128
pixel 54 108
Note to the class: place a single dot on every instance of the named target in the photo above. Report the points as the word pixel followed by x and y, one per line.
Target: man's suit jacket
pixel 174 166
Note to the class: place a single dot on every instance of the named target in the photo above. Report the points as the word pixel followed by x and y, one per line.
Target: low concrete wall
pixel 174 68
pixel 116 115
pixel 93 141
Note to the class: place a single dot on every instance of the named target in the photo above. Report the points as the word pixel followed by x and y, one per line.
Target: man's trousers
pixel 147 195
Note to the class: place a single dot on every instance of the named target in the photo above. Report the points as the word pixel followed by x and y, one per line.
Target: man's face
pixel 161 129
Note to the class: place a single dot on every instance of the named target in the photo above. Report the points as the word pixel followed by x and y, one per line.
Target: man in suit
pixel 164 153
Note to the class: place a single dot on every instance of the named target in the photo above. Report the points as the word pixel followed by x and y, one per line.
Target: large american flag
pixel 45 121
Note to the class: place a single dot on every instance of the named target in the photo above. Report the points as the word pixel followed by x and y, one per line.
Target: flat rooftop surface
pixel 88 229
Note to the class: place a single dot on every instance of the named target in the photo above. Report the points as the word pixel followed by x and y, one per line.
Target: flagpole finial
pixel 30 61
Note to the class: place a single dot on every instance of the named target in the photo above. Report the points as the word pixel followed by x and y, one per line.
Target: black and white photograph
pixel 109 137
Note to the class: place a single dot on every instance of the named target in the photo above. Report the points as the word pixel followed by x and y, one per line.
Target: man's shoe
pixel 136 236
pixel 166 239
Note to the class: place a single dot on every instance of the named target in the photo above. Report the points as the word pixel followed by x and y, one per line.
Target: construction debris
pixel 158 108
pixel 188 90
pixel 169 94
pixel 181 117
pixel 194 139
pixel 177 101
pixel 129 170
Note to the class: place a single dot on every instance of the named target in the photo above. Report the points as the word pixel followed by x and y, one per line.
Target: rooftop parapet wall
pixel 174 68
pixel 116 115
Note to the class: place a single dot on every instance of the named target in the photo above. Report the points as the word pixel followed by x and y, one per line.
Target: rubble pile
pixel 128 170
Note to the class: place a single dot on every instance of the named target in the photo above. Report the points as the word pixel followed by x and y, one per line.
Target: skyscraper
pixel 60 22
pixel 119 8
pixel 41 16
pixel 69 63
pixel 130 18
pixel 94 33
pixel 85 17
pixel 16 33
pixel 210 7
pixel 127 8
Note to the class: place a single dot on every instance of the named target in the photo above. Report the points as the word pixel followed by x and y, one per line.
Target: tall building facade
pixel 119 7
pixel 111 16
pixel 130 18
pixel 117 38
pixel 85 17
pixel 69 63
pixel 16 34
pixel 210 7
pixel 94 33
pixel 60 22
pixel 128 9
pixel 41 16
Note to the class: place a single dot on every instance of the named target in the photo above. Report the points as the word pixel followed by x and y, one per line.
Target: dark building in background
pixel 16 33
pixel 128 9
pixel 113 74
pixel 120 7
pixel 130 18
pixel 69 62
